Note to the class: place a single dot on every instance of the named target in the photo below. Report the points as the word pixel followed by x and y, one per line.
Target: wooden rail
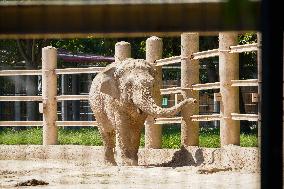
pixel 20 98
pixel 72 97
pixel 172 90
pixel 245 83
pixel 212 117
pixel 79 70
pixel 169 120
pixel 58 71
pixel 39 98
pixel 39 123
pixel 244 48
pixel 205 54
pixel 19 72
pixel 247 117
pixel 206 86
pixel 167 61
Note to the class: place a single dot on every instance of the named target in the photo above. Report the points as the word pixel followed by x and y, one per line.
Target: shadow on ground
pixel 184 158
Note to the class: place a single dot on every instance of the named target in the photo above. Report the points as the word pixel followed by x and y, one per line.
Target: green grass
pixel 90 136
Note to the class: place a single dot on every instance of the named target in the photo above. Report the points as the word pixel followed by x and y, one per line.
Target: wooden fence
pixel 229 116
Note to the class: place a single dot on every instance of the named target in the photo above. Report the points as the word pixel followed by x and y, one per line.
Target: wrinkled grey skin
pixel 121 99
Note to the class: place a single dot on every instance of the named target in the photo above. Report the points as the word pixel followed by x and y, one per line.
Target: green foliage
pixel 209 138
pixel 84 136
pixel 171 136
pixel 248 140
pixel 28 136
pixel 247 38
pixel 248 60
pixel 90 136
pixel 9 53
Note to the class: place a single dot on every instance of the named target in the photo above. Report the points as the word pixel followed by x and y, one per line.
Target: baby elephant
pixel 121 99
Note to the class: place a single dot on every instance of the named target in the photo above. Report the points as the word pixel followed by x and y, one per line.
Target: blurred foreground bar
pixel 135 18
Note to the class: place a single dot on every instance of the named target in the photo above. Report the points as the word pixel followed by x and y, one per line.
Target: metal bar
pixel 212 117
pixel 72 97
pixel 167 61
pixel 205 54
pixel 123 17
pixel 20 98
pixel 19 72
pixel 244 48
pixel 206 86
pixel 79 70
pixel 247 82
pixel 248 117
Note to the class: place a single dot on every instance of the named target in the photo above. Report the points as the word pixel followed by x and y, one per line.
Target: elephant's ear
pixel 109 84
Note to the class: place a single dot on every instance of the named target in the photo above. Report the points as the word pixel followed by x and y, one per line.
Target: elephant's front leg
pixel 109 146
pixel 127 144
pixel 108 135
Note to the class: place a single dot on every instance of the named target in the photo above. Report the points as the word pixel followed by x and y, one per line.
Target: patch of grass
pixel 84 136
pixel 27 136
pixel 249 140
pixel 209 138
pixel 171 136
pixel 90 136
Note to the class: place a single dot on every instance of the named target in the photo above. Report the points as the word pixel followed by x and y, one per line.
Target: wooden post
pixel 259 77
pixel 122 51
pixel 189 76
pixel 49 92
pixel 153 133
pixel 228 70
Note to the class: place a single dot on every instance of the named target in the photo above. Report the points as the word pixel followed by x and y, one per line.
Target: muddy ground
pixel 81 167
pixel 69 174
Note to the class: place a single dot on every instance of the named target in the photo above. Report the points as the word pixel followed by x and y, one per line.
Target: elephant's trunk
pixel 143 99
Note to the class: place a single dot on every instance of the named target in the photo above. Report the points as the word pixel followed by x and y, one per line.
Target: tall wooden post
pixel 228 70
pixel 189 76
pixel 122 51
pixel 49 92
pixel 153 133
